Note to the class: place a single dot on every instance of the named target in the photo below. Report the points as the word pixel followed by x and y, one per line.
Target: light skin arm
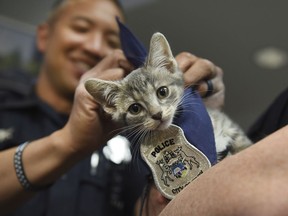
pixel 252 182
pixel 46 159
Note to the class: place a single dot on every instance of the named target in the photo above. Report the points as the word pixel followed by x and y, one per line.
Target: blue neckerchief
pixel 133 49
pixel 194 119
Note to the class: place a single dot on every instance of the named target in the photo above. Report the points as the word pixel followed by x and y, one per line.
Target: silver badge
pixel 174 162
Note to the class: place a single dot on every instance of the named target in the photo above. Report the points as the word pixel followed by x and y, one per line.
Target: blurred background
pixel 247 38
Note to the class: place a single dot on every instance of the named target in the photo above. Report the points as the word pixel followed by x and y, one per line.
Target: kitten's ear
pixel 104 92
pixel 160 54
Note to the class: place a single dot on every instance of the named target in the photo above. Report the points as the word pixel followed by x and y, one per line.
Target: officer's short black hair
pixel 57 3
pixel 56 6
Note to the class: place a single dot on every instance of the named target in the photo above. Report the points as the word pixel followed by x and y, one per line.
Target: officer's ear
pixel 42 37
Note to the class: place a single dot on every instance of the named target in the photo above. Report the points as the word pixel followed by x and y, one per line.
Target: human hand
pixel 197 71
pixel 88 126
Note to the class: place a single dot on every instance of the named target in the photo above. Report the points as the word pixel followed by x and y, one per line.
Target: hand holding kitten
pixel 196 71
pixel 88 128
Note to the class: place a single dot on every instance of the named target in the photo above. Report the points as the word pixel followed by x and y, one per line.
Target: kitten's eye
pixel 162 92
pixel 135 108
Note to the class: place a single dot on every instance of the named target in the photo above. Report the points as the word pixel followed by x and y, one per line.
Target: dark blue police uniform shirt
pixel 274 118
pixel 113 190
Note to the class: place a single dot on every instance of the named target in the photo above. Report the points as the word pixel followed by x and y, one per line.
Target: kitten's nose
pixel 157 116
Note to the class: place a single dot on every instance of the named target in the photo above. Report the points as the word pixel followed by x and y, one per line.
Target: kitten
pixel 147 99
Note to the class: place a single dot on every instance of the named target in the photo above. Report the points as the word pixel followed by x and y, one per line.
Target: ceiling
pixel 236 35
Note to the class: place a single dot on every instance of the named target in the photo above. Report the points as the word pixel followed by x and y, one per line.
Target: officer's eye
pixel 81 26
pixel 162 92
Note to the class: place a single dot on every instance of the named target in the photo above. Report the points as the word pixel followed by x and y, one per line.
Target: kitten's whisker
pixel 123 129
pixel 141 134
pixel 133 130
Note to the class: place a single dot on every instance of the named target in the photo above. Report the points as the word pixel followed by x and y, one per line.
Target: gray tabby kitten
pixel 147 99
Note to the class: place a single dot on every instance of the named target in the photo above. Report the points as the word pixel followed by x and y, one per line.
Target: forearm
pixel 44 161
pixel 253 182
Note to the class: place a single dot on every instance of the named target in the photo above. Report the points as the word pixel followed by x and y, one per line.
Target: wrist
pixel 20 172
pixel 45 160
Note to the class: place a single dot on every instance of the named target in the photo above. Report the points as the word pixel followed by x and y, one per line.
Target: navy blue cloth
pixel 274 118
pixel 196 124
pixel 133 49
pixel 195 120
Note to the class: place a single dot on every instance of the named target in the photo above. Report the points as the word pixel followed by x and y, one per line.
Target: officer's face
pixel 84 32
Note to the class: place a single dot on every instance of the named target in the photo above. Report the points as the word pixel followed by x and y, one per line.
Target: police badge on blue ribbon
pixel 185 150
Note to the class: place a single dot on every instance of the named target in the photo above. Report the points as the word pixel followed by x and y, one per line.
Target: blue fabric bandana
pixel 194 119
